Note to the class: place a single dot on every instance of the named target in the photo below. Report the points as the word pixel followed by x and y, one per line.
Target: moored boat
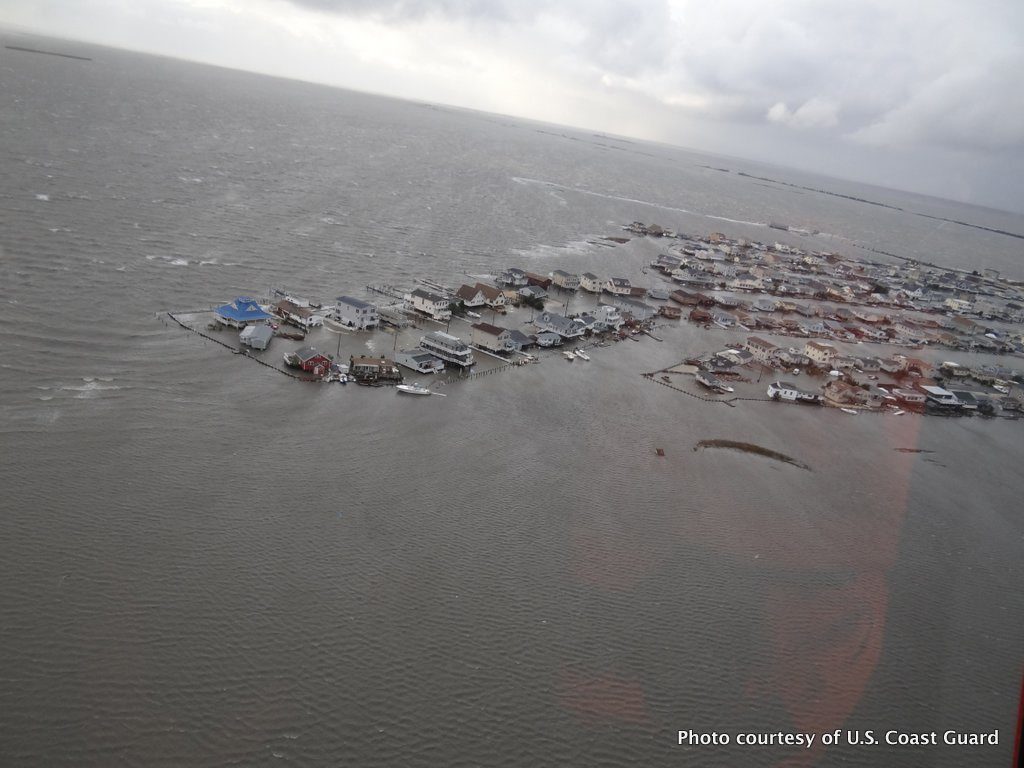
pixel 413 389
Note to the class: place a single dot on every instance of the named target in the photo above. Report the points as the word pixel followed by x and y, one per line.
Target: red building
pixel 310 361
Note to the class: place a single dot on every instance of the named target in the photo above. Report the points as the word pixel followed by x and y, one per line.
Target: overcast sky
pixel 916 94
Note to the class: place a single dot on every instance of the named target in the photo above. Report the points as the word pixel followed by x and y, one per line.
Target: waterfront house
pixel 532 293
pixel 513 277
pixel 839 392
pixel 618 286
pixel 563 326
pixel 784 390
pixel 303 317
pixel 966 326
pixel 449 348
pixel 762 350
pixel 549 339
pixel 374 370
pixel 656 293
pixel 419 360
pixel 838 331
pixel 430 304
pixel 685 298
pixel 722 319
pixel 609 316
pixel 896 364
pixel 638 309
pixel 937 396
pixel 737 356
pixel 356 313
pixel 471 295
pixel 820 352
pixel 491 337
pixel 241 312
pixel 532 278
pixel 517 341
pixel 666 262
pixel 493 297
pixel 590 282
pixel 256 336
pixel 747 282
pixel 589 322
pixel 565 280
pixel 309 360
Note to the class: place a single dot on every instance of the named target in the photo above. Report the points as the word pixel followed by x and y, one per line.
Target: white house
pixel 619 286
pixel 590 282
pixel 563 326
pixel 762 350
pixel 491 337
pixel 637 309
pixel 609 316
pixel 565 280
pixel 472 296
pixel 430 304
pixel 356 313
pixel 820 352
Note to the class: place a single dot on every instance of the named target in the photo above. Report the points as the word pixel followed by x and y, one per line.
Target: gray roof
pixel 427 295
pixel 353 302
pixel 258 332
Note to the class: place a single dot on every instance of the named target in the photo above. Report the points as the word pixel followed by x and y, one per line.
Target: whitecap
pixel 44 198
pixel 179 263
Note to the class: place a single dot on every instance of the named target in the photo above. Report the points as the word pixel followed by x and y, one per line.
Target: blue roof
pixel 242 309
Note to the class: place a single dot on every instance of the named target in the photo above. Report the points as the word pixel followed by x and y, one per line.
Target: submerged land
pixel 853 330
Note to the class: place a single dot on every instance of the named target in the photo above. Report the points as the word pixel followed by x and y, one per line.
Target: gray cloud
pixel 876 72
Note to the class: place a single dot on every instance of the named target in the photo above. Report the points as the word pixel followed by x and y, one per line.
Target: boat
pixel 413 389
pixel 850 411
pixel 474 315
pixel 582 355
pixel 569 355
pixel 898 413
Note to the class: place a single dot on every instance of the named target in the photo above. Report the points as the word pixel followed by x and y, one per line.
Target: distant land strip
pixel 873 202
pixel 48 53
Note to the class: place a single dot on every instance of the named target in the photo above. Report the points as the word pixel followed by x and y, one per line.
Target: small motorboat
pixel 898 413
pixel 413 389
pixel 569 355
pixel 850 411
pixel 474 315
pixel 582 355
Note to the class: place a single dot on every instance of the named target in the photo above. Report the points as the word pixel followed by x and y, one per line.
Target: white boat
pixel 413 389
pixel 898 413
pixel 474 315
pixel 582 355
pixel 569 355
pixel 849 411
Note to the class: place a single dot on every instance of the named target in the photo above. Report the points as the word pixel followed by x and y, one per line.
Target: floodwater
pixel 206 563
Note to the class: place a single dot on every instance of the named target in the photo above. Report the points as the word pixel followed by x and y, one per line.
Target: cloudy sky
pixel 925 95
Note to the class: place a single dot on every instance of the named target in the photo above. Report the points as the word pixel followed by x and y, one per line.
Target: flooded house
pixel 241 312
